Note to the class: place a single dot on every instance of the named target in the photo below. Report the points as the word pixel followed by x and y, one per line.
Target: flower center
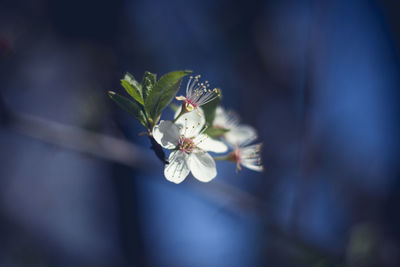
pixel 186 144
pixel 235 157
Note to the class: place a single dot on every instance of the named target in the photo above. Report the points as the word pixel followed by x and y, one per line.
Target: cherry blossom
pixel 189 147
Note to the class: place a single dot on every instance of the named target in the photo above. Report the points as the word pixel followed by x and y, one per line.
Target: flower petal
pixel 251 157
pixel 191 123
pixel 208 144
pixel 166 134
pixel 241 135
pixel 225 119
pixel 202 166
pixel 177 169
pixel 254 167
pixel 180 98
pixel 220 118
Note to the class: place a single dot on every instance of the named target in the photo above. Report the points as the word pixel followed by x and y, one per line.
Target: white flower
pixel 240 137
pixel 247 155
pixel 189 147
pixel 238 133
pixel 197 94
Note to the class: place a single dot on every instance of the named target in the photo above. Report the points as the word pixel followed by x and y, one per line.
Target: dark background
pixel 318 79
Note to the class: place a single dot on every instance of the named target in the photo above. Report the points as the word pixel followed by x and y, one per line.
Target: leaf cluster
pixel 149 98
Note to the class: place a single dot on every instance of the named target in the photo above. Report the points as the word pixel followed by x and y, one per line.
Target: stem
pixel 143 133
pixel 183 111
pixel 226 157
pixel 158 150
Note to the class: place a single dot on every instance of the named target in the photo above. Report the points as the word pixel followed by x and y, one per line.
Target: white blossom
pixel 247 155
pixel 189 147
pixel 237 133
pixel 240 137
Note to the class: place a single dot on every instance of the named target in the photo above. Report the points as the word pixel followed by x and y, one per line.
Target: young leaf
pixel 131 107
pixel 133 88
pixel 149 80
pixel 163 92
pixel 210 108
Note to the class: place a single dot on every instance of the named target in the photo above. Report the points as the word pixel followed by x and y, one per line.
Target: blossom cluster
pixel 200 126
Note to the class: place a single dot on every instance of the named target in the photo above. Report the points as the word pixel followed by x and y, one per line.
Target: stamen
pixel 198 94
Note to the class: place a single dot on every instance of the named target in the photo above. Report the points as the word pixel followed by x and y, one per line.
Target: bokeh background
pixel 318 79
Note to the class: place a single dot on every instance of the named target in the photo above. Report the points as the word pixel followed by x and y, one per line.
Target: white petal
pixel 257 168
pixel 166 134
pixel 225 119
pixel 208 144
pixel 251 157
pixel 241 135
pixel 202 166
pixel 191 123
pixel 221 119
pixel 177 169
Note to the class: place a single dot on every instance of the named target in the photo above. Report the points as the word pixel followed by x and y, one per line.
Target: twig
pixel 81 140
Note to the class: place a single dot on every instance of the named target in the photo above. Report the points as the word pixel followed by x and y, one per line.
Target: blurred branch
pixel 81 140
pixel 123 152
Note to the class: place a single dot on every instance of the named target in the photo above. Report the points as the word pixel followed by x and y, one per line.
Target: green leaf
pixel 131 107
pixel 215 132
pixel 163 92
pixel 148 81
pixel 210 108
pixel 133 88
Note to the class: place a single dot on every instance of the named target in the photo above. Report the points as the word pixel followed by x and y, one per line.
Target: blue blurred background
pixel 318 79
